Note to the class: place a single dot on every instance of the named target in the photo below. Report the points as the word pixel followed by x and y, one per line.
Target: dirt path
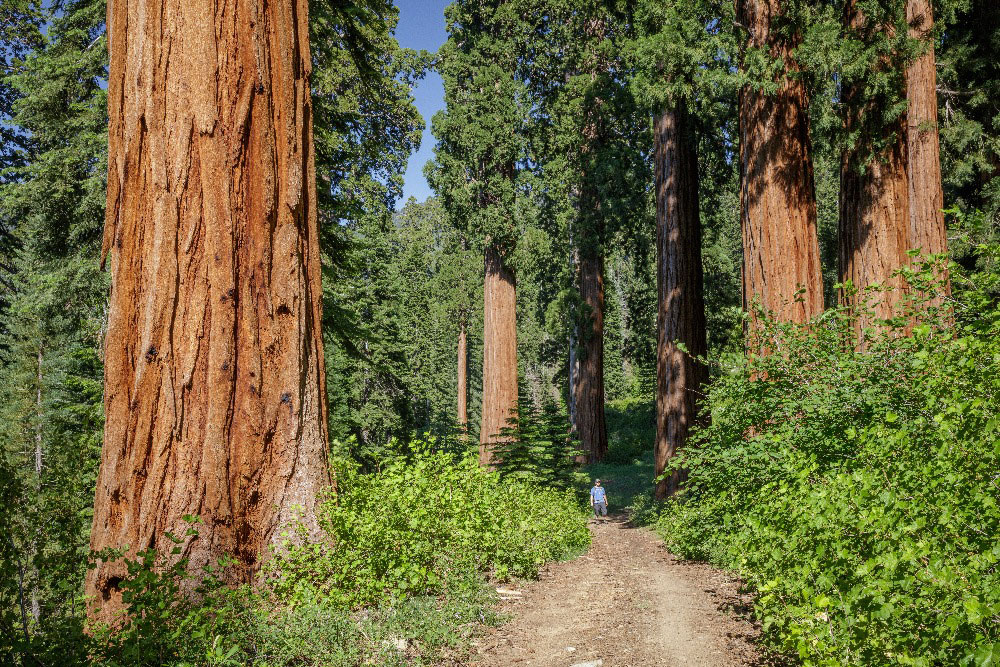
pixel 628 603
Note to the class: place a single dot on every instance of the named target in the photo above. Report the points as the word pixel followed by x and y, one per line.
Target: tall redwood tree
pixel 781 263
pixel 499 352
pixel 927 230
pixel 681 309
pixel 214 393
pixel 874 192
pixel 588 386
pixel 475 172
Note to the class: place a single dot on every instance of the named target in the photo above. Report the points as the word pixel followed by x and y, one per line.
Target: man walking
pixel 599 499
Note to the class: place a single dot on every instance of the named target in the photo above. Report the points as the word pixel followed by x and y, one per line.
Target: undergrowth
pixel 401 577
pixel 857 491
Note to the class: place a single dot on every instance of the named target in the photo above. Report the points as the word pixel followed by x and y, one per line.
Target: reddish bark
pixel 781 264
pixel 874 205
pixel 499 353
pixel 214 395
pixel 681 309
pixel 874 218
pixel 927 230
pixel 591 426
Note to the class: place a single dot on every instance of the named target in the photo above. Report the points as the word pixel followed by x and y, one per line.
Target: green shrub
pixel 406 557
pixel 857 491
pixel 403 529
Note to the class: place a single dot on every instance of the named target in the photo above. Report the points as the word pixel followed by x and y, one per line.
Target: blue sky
pixel 421 26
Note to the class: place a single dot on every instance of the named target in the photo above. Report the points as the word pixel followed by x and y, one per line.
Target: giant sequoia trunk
pixel 499 353
pixel 591 426
pixel 874 204
pixel 781 264
pixel 681 309
pixel 874 220
pixel 927 230
pixel 214 395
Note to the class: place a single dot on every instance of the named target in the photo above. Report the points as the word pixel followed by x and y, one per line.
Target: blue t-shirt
pixel 597 494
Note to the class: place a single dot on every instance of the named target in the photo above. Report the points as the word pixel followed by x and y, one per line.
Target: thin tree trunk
pixel 214 382
pixel 874 207
pixel 38 425
pixel 573 372
pixel 681 304
pixel 781 262
pixel 623 309
pixel 499 353
pixel 927 229
pixel 463 378
pixel 574 336
pixel 36 609
pixel 591 426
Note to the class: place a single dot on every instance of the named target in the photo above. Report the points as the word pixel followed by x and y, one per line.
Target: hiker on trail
pixel 599 499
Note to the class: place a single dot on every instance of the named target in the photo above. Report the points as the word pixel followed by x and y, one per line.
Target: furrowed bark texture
pixel 214 395
pixel 874 209
pixel 681 305
pixel 927 229
pixel 591 426
pixel 499 353
pixel 463 378
pixel 777 192
pixel 874 219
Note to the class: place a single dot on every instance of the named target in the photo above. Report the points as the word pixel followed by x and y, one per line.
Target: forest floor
pixel 626 602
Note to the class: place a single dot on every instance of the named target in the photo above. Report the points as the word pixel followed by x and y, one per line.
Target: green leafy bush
pixel 399 579
pixel 404 529
pixel 858 491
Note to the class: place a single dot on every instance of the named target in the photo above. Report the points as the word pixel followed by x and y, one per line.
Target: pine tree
pixel 538 446
pixel 52 198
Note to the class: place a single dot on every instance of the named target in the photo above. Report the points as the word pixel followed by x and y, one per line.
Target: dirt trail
pixel 628 603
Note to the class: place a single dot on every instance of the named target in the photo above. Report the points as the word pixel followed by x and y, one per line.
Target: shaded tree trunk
pixel 781 261
pixel 214 396
pixel 36 607
pixel 591 426
pixel 622 297
pixel 463 378
pixel 874 204
pixel 874 222
pixel 927 230
pixel 573 373
pixel 499 353
pixel 574 336
pixel 681 304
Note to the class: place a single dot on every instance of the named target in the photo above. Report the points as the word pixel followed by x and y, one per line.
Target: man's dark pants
pixel 601 508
